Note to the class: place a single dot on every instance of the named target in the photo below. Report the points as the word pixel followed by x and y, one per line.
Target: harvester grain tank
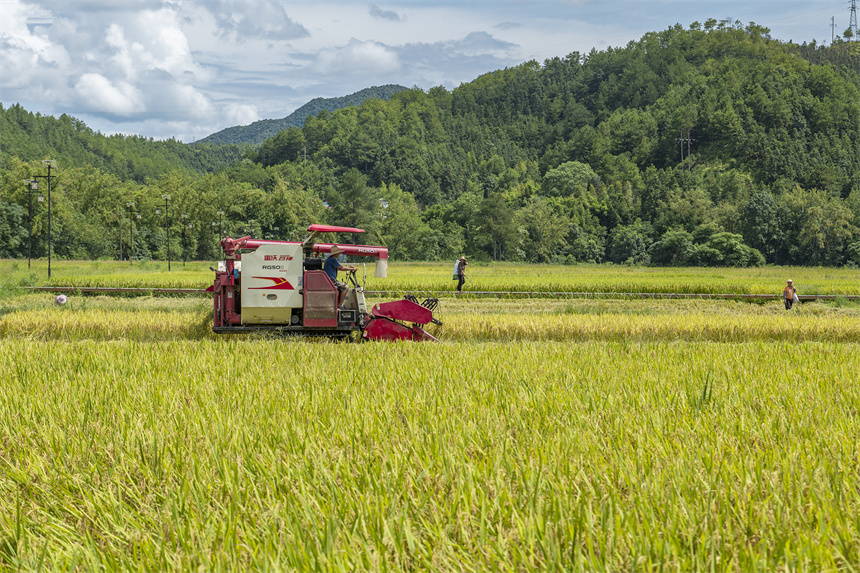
pixel 280 286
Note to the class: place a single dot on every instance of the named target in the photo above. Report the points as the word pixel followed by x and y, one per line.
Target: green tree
pixel 571 179
pixel 628 244
pixel 289 209
pixel 545 225
pixel 819 227
pixel 674 249
pixel 498 227
pixel 727 250
pixel 287 145
pixel 401 229
pixel 760 224
pixel 13 230
pixel 354 204
pixel 585 246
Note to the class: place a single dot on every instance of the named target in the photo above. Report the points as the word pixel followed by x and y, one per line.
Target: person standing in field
pixel 789 293
pixel 460 273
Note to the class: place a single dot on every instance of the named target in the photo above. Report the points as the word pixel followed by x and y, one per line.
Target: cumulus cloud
pixel 119 98
pixel 154 40
pixel 240 114
pixel 389 15
pixel 243 21
pixel 477 50
pixel 478 43
pixel 357 58
pixel 31 64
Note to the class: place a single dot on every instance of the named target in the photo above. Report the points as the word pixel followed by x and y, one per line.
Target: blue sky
pixel 188 68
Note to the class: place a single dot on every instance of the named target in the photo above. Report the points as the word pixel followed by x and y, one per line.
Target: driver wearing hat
pixel 332 265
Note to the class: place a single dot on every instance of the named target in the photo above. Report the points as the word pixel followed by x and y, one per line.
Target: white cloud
pixel 240 114
pixel 121 99
pixel 154 40
pixel 31 65
pixel 243 21
pixel 122 57
pixel 190 101
pixel 389 15
pixel 357 58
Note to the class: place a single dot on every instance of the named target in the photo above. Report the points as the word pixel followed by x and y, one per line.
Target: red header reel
pixel 390 320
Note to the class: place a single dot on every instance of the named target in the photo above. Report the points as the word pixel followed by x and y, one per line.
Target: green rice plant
pixel 106 274
pixel 595 280
pixel 231 454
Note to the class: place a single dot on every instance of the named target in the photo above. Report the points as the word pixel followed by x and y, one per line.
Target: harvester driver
pixel 332 265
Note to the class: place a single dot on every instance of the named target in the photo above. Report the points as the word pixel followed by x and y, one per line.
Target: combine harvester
pixel 279 286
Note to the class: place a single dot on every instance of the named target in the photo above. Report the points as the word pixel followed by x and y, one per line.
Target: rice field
pixel 150 319
pixel 436 277
pixel 540 435
pixel 618 279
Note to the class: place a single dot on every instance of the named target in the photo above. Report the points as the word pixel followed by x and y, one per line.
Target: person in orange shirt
pixel 789 294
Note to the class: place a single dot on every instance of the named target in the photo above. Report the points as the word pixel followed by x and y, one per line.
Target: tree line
pixel 710 145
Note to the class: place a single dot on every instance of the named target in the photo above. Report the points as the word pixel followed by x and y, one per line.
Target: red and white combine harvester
pixel 280 286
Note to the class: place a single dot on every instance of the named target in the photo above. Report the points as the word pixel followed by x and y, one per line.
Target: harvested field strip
pixel 154 319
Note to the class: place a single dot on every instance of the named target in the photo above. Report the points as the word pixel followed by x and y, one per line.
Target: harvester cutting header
pixel 280 286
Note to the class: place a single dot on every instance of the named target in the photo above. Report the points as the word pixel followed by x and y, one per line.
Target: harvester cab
pixel 280 286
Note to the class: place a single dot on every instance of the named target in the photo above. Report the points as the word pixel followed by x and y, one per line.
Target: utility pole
pixel 131 214
pixel 166 224
pixel 686 151
pixel 185 224
pixel 852 21
pixel 32 187
pixel 49 163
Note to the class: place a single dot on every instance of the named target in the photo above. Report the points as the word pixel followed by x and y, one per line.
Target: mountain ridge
pixel 257 132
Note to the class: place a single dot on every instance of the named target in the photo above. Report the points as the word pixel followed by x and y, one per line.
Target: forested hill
pixel 667 149
pixel 707 145
pixel 259 131
pixel 32 137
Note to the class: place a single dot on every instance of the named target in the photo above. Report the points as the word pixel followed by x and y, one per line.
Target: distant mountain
pixel 30 137
pixel 259 131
